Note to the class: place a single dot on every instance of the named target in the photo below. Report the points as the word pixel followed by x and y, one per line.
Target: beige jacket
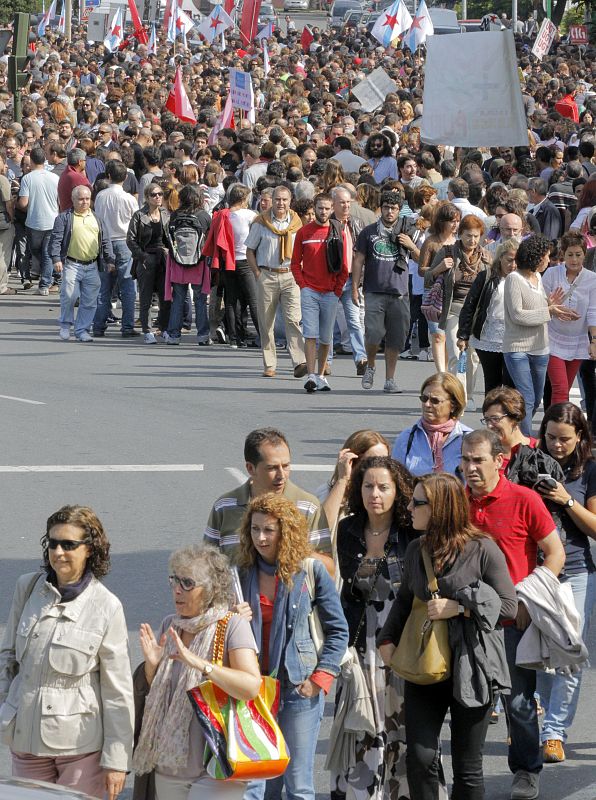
pixel 65 678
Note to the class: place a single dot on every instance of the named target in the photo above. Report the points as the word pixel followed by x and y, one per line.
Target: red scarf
pixel 437 433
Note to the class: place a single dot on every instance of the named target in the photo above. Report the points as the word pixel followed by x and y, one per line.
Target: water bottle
pixel 462 362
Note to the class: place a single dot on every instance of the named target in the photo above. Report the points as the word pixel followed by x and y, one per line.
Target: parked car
pixel 296 5
pixel 339 9
pixel 267 14
pixel 21 789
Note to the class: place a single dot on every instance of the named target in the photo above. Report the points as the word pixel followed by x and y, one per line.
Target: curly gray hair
pixel 209 568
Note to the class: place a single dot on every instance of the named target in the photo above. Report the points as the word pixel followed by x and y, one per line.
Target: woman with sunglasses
pixel 66 699
pixel 433 444
pixel 147 241
pixel 177 658
pixel 371 544
pixel 476 595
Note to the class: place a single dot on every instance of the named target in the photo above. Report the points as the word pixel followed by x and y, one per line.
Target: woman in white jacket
pixel 66 700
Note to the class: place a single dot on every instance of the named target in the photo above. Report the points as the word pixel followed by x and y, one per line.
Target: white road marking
pixel 313 467
pixel 21 400
pixel 238 474
pixel 105 468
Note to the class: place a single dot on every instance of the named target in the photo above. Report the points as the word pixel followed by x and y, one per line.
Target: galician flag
pixel 62 22
pixel 46 19
pixel 266 31
pixel 421 27
pixel 152 46
pixel 214 24
pixel 184 24
pixel 392 23
pixel 173 23
pixel 115 33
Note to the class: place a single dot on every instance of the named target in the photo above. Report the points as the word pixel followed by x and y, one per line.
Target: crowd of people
pixel 495 541
pixel 329 230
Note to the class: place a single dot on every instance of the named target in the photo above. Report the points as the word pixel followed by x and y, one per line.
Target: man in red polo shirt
pixel 517 519
pixel 320 289
pixel 73 175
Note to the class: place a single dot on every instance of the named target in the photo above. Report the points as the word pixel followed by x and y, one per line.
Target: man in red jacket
pixel 566 106
pixel 320 273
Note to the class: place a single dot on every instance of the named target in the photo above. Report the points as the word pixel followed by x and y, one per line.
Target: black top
pixel 578 555
pixel 481 559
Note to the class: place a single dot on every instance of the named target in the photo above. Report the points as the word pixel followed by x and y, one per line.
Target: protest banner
pixel 372 91
pixel 479 107
pixel 545 38
pixel 578 34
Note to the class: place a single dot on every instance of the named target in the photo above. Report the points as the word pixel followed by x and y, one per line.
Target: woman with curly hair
pixel 371 544
pixel 171 744
pixel 280 582
pixel 66 700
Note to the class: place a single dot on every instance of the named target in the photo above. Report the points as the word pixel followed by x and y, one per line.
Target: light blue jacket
pixel 412 449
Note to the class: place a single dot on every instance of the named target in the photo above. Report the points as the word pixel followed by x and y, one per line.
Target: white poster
pixel 241 89
pixel 372 91
pixel 472 96
pixel 546 36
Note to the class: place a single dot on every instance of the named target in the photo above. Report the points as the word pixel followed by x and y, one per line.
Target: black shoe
pixel 130 334
pixel 99 334
pixel 205 343
pixel 243 345
pixel 112 318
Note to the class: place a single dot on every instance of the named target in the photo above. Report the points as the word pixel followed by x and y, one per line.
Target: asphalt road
pixel 117 402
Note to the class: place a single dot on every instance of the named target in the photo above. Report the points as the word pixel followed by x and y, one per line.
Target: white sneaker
pixel 425 355
pixel 44 292
pixel 311 384
pixel 408 355
pixel 64 332
pixel 471 404
pixel 149 338
pixel 390 387
pixel 368 378
pixel 85 337
pixel 170 339
pixel 322 384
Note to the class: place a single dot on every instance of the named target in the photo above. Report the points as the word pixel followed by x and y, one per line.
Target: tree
pixel 8 8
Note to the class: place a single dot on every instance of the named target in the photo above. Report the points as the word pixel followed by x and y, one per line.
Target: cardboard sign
pixel 545 38
pixel 372 91
pixel 578 34
pixel 241 89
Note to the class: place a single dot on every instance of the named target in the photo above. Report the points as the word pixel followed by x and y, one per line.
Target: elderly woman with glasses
pixel 66 699
pixel 147 240
pixel 433 444
pixel 177 658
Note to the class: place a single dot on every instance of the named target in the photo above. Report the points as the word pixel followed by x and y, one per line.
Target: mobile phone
pixel 545 481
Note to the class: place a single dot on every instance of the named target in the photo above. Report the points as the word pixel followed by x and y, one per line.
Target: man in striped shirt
pixel 267 457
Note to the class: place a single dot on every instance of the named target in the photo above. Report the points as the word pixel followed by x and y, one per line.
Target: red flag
pixel 229 6
pixel 178 102
pixel 140 32
pixel 306 39
pixel 250 19
pixel 226 120
pixel 167 13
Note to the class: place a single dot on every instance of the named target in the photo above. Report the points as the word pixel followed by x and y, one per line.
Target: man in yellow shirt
pixel 80 250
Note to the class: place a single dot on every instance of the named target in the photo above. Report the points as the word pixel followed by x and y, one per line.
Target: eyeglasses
pixel 186 584
pixel 155 194
pixel 435 401
pixel 493 420
pixel 66 544
pixel 417 503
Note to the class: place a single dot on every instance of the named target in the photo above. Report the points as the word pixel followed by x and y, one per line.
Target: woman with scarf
pixel 178 658
pixel 281 582
pixel 66 700
pixel 459 264
pixel 433 444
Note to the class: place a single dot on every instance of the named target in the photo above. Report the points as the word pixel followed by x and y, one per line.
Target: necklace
pixel 378 533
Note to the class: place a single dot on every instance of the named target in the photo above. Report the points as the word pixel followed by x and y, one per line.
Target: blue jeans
pixel 353 323
pixel 299 719
pixel 39 244
pixel 126 285
pixel 528 373
pixel 559 694
pixel 525 751
pixel 82 282
pixel 179 291
pixel 318 314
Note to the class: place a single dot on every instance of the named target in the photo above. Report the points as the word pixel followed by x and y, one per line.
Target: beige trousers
pixel 272 290
pixel 6 238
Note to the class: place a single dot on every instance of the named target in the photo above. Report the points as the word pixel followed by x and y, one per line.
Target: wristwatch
pixel 207 670
pixel 461 609
pixel 570 503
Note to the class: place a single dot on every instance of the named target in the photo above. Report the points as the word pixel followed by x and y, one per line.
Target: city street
pixel 149 436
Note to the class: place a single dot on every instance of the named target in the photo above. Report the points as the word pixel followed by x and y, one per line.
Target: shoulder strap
pixel 220 638
pixel 309 568
pixel 433 586
pixel 410 440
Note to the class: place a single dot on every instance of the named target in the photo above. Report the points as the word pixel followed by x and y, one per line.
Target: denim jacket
pixel 415 453
pixel 291 645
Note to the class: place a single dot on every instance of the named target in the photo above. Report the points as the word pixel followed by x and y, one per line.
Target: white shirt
pixel 569 340
pixel 115 208
pixel 241 221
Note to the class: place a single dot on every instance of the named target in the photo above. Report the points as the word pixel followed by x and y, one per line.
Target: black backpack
pixel 187 238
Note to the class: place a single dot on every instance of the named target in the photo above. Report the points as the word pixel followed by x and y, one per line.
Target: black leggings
pixel 425 711
pixel 494 369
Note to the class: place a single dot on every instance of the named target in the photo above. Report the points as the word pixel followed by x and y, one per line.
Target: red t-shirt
pixel 517 520
pixel 309 261
pixel 68 180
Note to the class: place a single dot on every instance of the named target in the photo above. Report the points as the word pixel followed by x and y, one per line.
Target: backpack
pixel 187 238
pixel 335 247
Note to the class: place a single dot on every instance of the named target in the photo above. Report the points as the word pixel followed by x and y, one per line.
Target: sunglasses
pixel 155 194
pixel 66 544
pixel 435 401
pixel 417 503
pixel 186 584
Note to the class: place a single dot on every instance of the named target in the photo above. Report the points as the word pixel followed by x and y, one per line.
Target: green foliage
pixel 575 16
pixel 9 7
